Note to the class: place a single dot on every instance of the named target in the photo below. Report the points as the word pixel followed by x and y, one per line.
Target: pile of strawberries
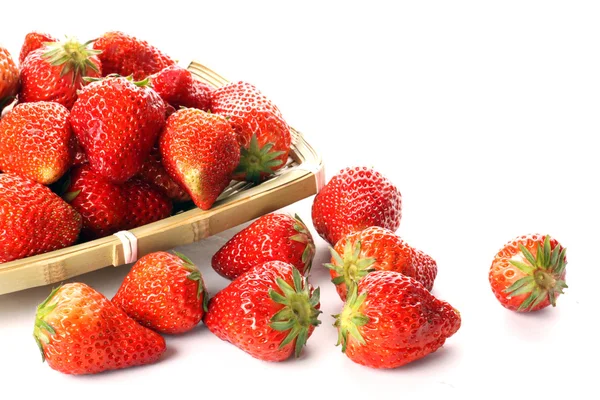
pixel 108 135
pixel 132 143
pixel 269 310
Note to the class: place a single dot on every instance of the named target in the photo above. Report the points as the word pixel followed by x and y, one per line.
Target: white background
pixel 484 114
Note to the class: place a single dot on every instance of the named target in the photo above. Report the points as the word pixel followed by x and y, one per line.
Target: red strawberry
pixel 33 220
pixel 126 55
pixel 145 204
pixel 36 142
pixel 200 152
pixel 117 123
pixel 274 308
pixel 79 331
pixel 376 248
pixel 100 203
pixel 34 41
pixel 9 78
pixel 390 320
pixel 262 132
pixel 272 237
pixel 55 72
pixel 164 292
pixel 528 273
pixel 107 208
pixel 353 200
pixel 153 172
pixel 177 86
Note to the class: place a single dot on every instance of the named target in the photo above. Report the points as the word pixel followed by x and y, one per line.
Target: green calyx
pixel 303 236
pixel 255 160
pixel 73 56
pixel 299 312
pixel 42 330
pixel 350 319
pixel 349 267
pixel 544 275
pixel 194 275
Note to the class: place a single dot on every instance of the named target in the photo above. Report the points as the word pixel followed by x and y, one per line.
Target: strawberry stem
pixel 544 275
pixel 255 160
pixel 73 56
pixel 304 236
pixel 41 328
pixel 350 268
pixel 299 312
pixel 350 319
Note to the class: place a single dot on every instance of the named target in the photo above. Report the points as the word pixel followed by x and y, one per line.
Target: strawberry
pixel 55 72
pixel 36 142
pixel 126 55
pixel 107 208
pixel 355 199
pixel 528 273
pixel 79 331
pixel 200 152
pixel 390 320
pixel 100 203
pixel 34 41
pixel 177 86
pixel 272 237
pixel 376 248
pixel 9 78
pixel 274 308
pixel 117 123
pixel 153 172
pixel 33 220
pixel 164 292
pixel 263 134
pixel 145 204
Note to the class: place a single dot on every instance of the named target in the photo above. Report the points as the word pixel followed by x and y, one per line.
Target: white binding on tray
pixel 318 170
pixel 130 245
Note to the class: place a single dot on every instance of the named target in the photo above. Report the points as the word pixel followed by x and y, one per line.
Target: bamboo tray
pixel 303 176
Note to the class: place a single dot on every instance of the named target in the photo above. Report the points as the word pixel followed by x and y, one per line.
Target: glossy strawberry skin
pixel 107 207
pixel 503 274
pixel 145 204
pixel 9 78
pixel 246 300
pixel 91 334
pixel 251 113
pixel 126 55
pixel 272 237
pixel 404 321
pixel 200 152
pixel 34 41
pixel 389 253
pixel 177 86
pixel 154 172
pixel 41 81
pixel 36 142
pixel 355 199
pixel 159 293
pixel 117 123
pixel 33 219
pixel 100 203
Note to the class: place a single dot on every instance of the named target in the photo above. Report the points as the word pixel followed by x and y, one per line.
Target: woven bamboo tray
pixel 302 177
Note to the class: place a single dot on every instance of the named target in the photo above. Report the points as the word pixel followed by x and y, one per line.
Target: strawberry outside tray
pixel 302 177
